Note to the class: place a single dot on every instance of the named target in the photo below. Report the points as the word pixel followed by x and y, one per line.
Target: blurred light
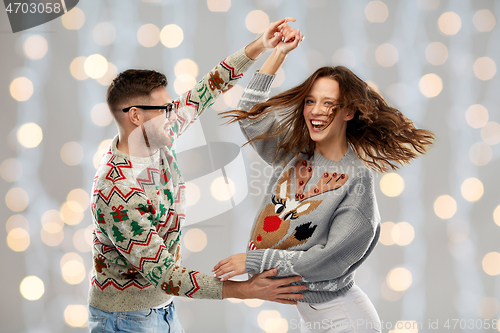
pixel 257 21
pixel 18 239
pixel 490 133
pixel 95 66
pixel 21 89
pixel 219 5
pixel 17 199
pixel 103 148
pixel 496 215
pixel 386 55
pixel 472 189
pixel 430 85
pixel 70 216
pixel 79 198
pixel 52 222
pixel 399 279
pixel 17 221
pixel 148 35
pixel 376 12
pixel 403 233
pixel 436 53
pixel 389 294
pixel 72 153
pixel 171 35
pixel 232 97
pixel 491 263
pixel 449 23
pixel 279 79
pixel 476 116
pixel 52 238
pixel 82 240
pixel 29 135
pixel 386 233
pixel 480 153
pixel 193 194
pixel 485 68
pixel 221 190
pixel 397 93
pixel 104 33
pixel 76 315
pixel 344 57
pixel 52 233
pixel 11 170
pixel 100 114
pixel 488 307
pixel 271 321
pixel 445 207
pixel 392 184
pixel 74 19
pixel 186 66
pixel 428 4
pixel 110 74
pixel 195 240
pixel 32 288
pixel 184 83
pixel 373 86
pixel 234 300
pixel 35 47
pixel 77 70
pixel 73 271
pixel 253 303
pixel 484 20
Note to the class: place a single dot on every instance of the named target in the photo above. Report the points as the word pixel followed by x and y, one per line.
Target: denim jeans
pixel 147 321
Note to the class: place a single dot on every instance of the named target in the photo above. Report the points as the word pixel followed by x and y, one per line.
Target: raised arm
pixel 258 90
pixel 190 105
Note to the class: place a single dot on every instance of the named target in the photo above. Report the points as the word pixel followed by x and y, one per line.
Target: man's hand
pixel 269 39
pixel 234 265
pixel 261 287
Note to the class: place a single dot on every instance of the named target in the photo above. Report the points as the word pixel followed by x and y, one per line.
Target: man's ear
pixel 135 116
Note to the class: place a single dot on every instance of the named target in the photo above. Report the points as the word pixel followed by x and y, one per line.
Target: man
pixel 138 202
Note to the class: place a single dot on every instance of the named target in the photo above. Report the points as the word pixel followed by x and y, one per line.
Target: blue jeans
pixel 147 321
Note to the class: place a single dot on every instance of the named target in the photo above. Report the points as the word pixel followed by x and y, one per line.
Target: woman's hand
pixel 234 265
pixel 274 33
pixel 291 39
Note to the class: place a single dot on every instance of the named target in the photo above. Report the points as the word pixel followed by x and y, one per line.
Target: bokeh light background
pixel 436 60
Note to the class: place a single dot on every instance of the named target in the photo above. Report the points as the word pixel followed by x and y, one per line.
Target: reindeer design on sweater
pixel 274 221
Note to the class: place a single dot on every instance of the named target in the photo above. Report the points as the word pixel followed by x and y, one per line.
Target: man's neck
pixel 140 150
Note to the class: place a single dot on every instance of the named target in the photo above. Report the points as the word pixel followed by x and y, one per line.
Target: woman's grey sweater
pixel 318 217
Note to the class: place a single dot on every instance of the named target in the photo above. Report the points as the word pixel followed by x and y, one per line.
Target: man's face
pixel 154 127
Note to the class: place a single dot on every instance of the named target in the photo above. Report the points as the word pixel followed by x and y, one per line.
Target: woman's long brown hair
pixel 381 135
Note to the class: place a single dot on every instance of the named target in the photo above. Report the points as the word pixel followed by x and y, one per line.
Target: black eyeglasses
pixel 168 108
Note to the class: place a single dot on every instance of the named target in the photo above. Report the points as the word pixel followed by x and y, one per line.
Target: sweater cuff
pixel 253 262
pixel 239 61
pixel 261 81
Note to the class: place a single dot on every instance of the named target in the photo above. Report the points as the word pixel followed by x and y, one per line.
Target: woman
pixel 319 217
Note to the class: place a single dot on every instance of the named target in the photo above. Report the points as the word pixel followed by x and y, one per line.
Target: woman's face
pixel 317 108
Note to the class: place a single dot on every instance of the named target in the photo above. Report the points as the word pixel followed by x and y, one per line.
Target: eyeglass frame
pixel 168 108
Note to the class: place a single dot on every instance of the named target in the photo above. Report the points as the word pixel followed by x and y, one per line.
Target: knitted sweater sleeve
pixel 190 105
pixel 131 228
pixel 257 91
pixel 353 234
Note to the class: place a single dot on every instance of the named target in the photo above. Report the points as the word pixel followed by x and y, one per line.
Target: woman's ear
pixel 349 115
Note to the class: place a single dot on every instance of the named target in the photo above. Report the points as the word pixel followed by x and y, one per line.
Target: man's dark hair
pixel 133 83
